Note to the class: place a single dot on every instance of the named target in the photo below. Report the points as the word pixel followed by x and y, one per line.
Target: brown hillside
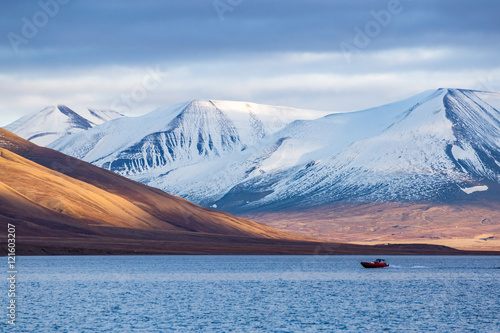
pixel 44 178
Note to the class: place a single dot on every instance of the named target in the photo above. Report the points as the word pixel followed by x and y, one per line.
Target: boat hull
pixel 374 264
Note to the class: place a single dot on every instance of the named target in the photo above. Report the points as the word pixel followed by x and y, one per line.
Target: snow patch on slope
pixel 470 190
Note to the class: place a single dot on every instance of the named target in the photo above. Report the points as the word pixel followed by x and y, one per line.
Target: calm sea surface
pixel 255 294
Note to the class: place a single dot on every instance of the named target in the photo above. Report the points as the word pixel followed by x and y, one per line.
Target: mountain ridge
pixel 439 147
pixel 415 149
pixel 212 152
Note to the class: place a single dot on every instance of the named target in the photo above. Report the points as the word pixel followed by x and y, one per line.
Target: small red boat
pixel 379 263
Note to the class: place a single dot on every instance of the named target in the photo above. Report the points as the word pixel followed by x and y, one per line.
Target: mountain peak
pixel 200 103
pixel 55 121
pixel 63 108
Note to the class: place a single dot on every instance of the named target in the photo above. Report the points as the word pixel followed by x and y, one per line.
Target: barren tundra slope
pixel 51 198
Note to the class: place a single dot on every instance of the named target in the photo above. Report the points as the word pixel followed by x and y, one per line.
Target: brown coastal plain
pixel 462 225
pixel 61 205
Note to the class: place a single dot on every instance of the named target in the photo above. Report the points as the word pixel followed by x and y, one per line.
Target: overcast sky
pixel 135 56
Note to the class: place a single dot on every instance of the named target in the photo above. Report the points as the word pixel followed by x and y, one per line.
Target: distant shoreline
pixel 278 248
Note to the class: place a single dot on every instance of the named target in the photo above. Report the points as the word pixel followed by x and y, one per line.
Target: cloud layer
pixel 329 55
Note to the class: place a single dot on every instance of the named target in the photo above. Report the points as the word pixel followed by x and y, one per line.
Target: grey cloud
pixel 249 49
pixel 102 32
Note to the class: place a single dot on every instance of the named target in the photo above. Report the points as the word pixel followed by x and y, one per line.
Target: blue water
pixel 256 294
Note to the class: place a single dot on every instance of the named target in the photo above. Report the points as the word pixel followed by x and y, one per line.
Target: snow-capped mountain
pixel 437 146
pixel 189 134
pixel 53 122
